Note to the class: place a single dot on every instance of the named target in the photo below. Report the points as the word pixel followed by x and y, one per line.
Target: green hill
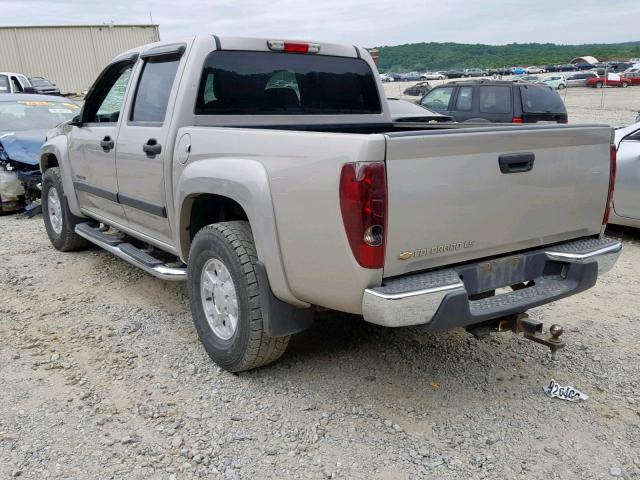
pixel 438 56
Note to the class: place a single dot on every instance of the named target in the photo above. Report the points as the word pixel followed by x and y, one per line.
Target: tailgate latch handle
pixel 516 162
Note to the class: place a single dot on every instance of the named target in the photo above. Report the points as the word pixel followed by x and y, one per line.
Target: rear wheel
pixel 225 300
pixel 59 222
pixel 624 85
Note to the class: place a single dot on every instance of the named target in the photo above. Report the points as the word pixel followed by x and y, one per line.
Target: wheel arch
pixel 213 190
pixel 54 153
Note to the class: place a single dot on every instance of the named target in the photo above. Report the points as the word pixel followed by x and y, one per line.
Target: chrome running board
pixel 129 253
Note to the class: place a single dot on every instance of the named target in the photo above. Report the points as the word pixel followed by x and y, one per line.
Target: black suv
pixel 496 101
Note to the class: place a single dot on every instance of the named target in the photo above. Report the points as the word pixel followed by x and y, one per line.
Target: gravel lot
pixel 102 376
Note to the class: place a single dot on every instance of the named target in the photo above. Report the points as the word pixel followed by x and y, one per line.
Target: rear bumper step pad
pixel 132 254
pixel 440 300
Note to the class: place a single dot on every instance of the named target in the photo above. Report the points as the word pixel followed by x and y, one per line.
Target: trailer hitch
pixel 520 323
pixel 532 330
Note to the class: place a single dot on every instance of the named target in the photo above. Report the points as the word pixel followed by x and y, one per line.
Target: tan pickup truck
pixel 269 175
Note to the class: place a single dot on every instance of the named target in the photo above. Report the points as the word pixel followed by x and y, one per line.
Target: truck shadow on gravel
pixel 342 346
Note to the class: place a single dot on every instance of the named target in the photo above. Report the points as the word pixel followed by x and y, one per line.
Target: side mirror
pixel 76 121
pixel 28 90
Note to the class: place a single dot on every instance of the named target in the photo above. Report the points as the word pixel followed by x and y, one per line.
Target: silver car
pixel 626 197
pixel 579 79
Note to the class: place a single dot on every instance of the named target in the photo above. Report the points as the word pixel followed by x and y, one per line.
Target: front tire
pixel 225 299
pixel 59 222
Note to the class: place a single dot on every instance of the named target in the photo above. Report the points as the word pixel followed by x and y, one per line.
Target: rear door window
pixel 540 99
pixel 464 102
pixel 495 99
pixel 266 83
pixel 154 89
pixel 438 99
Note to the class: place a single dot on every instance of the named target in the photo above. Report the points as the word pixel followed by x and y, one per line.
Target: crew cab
pixel 270 176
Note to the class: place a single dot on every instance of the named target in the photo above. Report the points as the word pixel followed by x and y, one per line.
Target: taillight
pixel 517 120
pixel 293 47
pixel 612 184
pixel 363 203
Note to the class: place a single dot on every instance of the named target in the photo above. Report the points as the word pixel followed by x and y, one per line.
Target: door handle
pixel 106 143
pixel 516 162
pixel 152 148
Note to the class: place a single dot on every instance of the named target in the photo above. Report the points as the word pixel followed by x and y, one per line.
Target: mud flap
pixel 280 319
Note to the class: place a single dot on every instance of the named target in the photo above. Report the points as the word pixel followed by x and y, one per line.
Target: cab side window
pixel 16 85
pixel 107 96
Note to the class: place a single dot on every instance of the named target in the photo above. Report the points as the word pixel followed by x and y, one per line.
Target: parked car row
pixel 612 66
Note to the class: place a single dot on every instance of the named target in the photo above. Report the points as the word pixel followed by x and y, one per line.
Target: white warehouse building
pixel 71 56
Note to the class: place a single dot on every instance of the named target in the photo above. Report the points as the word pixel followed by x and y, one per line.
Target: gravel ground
pixel 615 106
pixel 102 377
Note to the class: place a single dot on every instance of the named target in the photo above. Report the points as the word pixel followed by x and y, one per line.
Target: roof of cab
pixel 247 43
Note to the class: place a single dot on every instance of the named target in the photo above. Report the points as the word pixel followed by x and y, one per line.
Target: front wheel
pixel 561 86
pixel 599 85
pixel 624 85
pixel 225 299
pixel 59 222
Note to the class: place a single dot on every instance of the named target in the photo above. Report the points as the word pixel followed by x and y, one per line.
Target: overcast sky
pixel 363 22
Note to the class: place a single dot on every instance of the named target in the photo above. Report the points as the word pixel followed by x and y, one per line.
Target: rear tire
pixel 225 299
pixel 59 222
pixel 624 85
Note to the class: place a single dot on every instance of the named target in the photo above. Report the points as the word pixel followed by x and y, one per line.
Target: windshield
pixel 539 99
pixel 261 83
pixel 23 115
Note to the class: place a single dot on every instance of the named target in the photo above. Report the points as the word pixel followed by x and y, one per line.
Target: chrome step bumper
pixel 440 300
pixel 130 253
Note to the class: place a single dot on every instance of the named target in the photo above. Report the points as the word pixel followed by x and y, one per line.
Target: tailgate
pixel 449 201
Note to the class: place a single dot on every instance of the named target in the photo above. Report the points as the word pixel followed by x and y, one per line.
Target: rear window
pixel 264 83
pixel 539 99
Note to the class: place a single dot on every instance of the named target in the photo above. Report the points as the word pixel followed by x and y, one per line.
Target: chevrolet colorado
pixel 269 175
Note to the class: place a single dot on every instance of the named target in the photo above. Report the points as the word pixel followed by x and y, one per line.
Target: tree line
pixel 439 56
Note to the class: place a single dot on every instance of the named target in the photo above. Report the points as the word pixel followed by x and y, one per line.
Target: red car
pixel 612 80
pixel 634 77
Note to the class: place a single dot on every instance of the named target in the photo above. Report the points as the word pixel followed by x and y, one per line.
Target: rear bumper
pixel 440 300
